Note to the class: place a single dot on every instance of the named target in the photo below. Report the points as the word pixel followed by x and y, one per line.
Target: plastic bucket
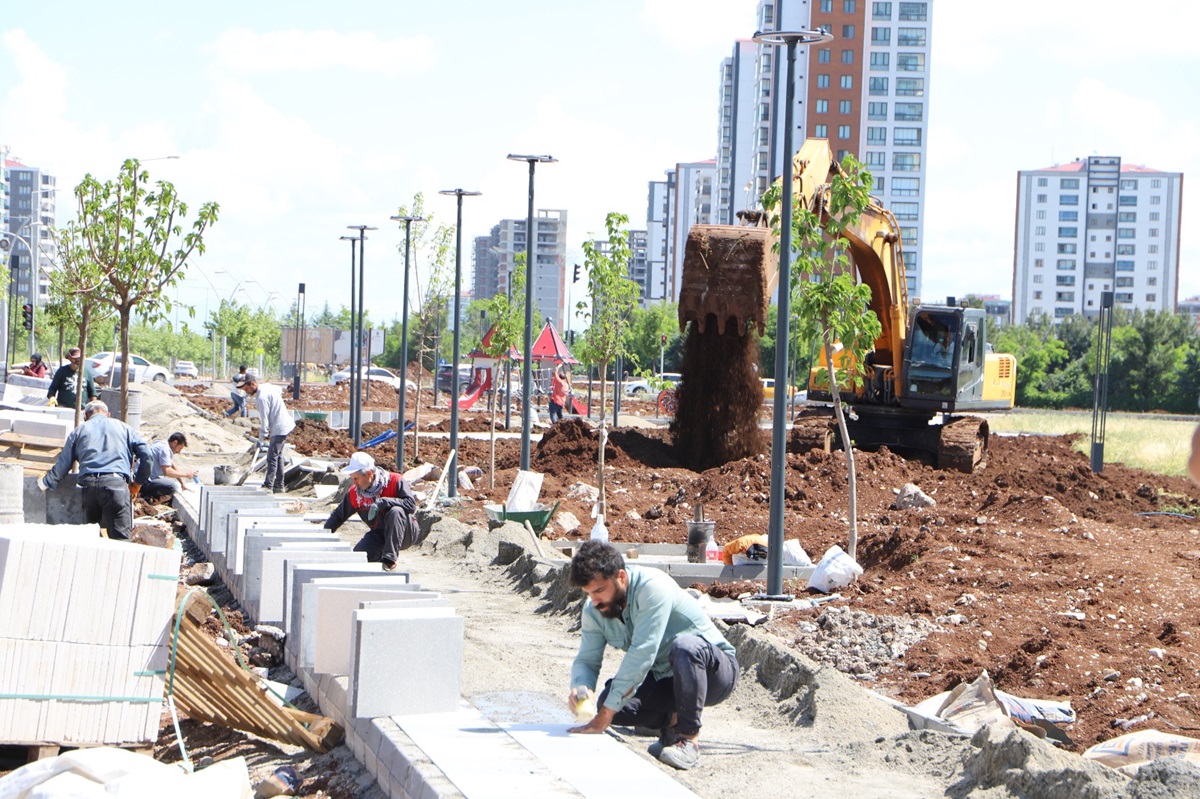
pixel 222 475
pixel 699 534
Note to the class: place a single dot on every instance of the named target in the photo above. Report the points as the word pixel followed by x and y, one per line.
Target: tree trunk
pixel 79 376
pixel 603 442
pixel 492 430
pixel 126 366
pixel 840 413
pixel 417 400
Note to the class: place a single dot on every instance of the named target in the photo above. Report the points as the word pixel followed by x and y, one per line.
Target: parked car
pixel 640 386
pixel 769 389
pixel 101 365
pixel 445 377
pixel 186 369
pixel 375 373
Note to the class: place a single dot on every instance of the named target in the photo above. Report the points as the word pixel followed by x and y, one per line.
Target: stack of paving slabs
pixel 85 628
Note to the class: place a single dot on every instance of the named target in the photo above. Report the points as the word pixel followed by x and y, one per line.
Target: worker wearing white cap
pixel 386 502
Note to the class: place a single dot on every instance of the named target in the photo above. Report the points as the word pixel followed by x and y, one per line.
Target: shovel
pixel 256 462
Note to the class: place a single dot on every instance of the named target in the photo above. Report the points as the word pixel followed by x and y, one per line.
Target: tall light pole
pixel 527 366
pixel 353 242
pixel 452 478
pixel 779 417
pixel 357 388
pixel 296 350
pixel 407 220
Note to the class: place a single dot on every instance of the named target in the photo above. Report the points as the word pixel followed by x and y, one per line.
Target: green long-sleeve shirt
pixel 657 611
pixel 62 386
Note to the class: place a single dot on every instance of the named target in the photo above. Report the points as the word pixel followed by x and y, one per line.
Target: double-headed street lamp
pixel 452 483
pixel 407 220
pixel 779 418
pixel 353 299
pixel 527 367
pixel 356 388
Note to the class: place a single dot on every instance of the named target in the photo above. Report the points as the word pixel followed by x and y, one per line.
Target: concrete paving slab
pixel 326 640
pixel 269 609
pixel 405 661
pixel 293 598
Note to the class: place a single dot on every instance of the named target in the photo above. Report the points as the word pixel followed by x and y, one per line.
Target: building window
pixel 823 56
pixel 1037 295
pixel 905 212
pixel 768 16
pixel 1041 183
pixel 881 61
pixel 881 36
pixel 849 6
pixel 1126 233
pixel 911 37
pixel 1064 280
pixel 906 187
pixel 1064 296
pixel 907 137
pixel 1066 264
pixel 1127 216
pixel 1069 183
pixel 826 6
pixel 1124 266
pixel 1068 199
pixel 843 106
pixel 876 135
pixel 846 81
pixel 878 159
pixel 910 62
pixel 1152 265
pixel 1066 249
pixel 909 112
pixel 1128 185
pixel 1041 198
pixel 913 12
pixel 1126 249
pixel 847 56
pixel 877 111
pixel 1152 249
pixel 1068 216
pixel 1128 199
pixel 1037 278
pixel 1068 232
pixel 1040 214
pixel 822 106
pixel 847 31
pixel 879 186
pixel 1039 263
pixel 1154 200
pixel 910 87
pixel 1040 230
pixel 1124 282
pixel 1039 247
pixel 879 87
pixel 1124 296
pixel 906 162
pixel 1151 281
pixel 881 10
pixel 843 131
pixel 821 131
pixel 822 81
pixel 1154 216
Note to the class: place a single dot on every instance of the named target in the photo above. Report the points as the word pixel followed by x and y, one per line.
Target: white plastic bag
pixel 794 554
pixel 836 570
pixel 523 495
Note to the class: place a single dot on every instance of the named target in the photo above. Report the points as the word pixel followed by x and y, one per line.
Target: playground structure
pixel 549 348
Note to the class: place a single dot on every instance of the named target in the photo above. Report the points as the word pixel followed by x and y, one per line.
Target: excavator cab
pixel 947 363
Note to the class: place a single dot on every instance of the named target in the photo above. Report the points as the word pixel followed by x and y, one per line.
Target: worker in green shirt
pixel 62 386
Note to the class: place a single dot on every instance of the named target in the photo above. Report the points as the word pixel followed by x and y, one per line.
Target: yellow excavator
pixel 928 363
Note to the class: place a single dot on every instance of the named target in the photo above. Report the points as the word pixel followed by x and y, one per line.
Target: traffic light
pixel 27 316
pixel 576 278
pixel 664 339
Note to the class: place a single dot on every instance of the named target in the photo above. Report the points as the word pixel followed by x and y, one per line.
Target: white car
pixel 376 373
pixel 186 369
pixel 101 365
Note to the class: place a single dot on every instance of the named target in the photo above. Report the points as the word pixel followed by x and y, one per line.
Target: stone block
pixel 294 607
pixel 218 528
pixel 328 641
pixel 269 609
pixel 255 544
pixel 42 427
pixel 424 645
pixel 238 522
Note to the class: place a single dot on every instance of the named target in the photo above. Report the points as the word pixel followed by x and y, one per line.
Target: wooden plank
pixel 45 442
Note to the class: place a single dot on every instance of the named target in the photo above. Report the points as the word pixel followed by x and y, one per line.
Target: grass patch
pixel 1142 441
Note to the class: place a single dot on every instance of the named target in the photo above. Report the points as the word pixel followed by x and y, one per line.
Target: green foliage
pixel 247 330
pixel 647 326
pixel 507 316
pixel 613 295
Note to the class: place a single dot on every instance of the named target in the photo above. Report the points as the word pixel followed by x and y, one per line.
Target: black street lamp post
pixel 353 299
pixel 527 366
pixel 296 351
pixel 356 370
pixel 452 477
pixel 407 220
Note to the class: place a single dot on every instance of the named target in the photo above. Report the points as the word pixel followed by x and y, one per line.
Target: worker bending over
pixel 163 471
pixel 386 502
pixel 676 662
pixel 105 449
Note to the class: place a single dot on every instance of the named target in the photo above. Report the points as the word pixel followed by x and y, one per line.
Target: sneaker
pixel 667 736
pixel 389 565
pixel 277 490
pixel 683 754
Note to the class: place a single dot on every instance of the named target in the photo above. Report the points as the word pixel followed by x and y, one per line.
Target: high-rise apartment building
pixel 30 215
pixel 659 236
pixel 1091 226
pixel 494 261
pixel 687 197
pixel 866 91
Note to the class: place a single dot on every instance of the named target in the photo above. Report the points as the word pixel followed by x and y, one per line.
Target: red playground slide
pixel 476 389
pixel 576 406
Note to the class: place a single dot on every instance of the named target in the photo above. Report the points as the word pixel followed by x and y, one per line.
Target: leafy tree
pixel 134 232
pixel 507 318
pixel 647 326
pixel 614 296
pixel 830 307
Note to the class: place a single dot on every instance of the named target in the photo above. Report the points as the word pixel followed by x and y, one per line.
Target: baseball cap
pixel 74 354
pixel 359 462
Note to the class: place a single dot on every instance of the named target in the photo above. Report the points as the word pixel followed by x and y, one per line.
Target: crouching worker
pixel 676 661
pixel 385 501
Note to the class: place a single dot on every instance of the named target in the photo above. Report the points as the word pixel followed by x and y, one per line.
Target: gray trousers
pixel 395 531
pixel 703 675
pixel 274 477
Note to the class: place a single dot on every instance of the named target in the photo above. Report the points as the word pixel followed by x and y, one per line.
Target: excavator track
pixel 963 444
pixel 811 431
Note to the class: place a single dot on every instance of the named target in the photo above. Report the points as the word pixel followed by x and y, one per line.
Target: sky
pixel 300 118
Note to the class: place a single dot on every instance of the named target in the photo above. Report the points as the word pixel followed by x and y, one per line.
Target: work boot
pixel 667 736
pixel 683 754
pixel 277 490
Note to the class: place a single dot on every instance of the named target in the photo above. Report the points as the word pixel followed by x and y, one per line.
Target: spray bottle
pixel 585 704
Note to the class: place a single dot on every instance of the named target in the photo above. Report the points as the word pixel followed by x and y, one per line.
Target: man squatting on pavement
pixel 105 449
pixel 676 661
pixel 386 502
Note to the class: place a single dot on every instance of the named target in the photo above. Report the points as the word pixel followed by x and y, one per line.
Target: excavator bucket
pixel 729 273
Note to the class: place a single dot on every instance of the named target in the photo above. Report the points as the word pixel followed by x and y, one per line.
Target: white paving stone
pixel 405 661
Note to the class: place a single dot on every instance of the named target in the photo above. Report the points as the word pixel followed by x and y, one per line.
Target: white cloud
pixel 290 50
pixel 697 24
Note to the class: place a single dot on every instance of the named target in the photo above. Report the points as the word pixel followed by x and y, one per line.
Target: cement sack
pixel 1130 752
pixel 836 570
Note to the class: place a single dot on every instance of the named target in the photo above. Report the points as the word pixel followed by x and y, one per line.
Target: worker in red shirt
pixel 36 367
pixel 560 385
pixel 386 502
